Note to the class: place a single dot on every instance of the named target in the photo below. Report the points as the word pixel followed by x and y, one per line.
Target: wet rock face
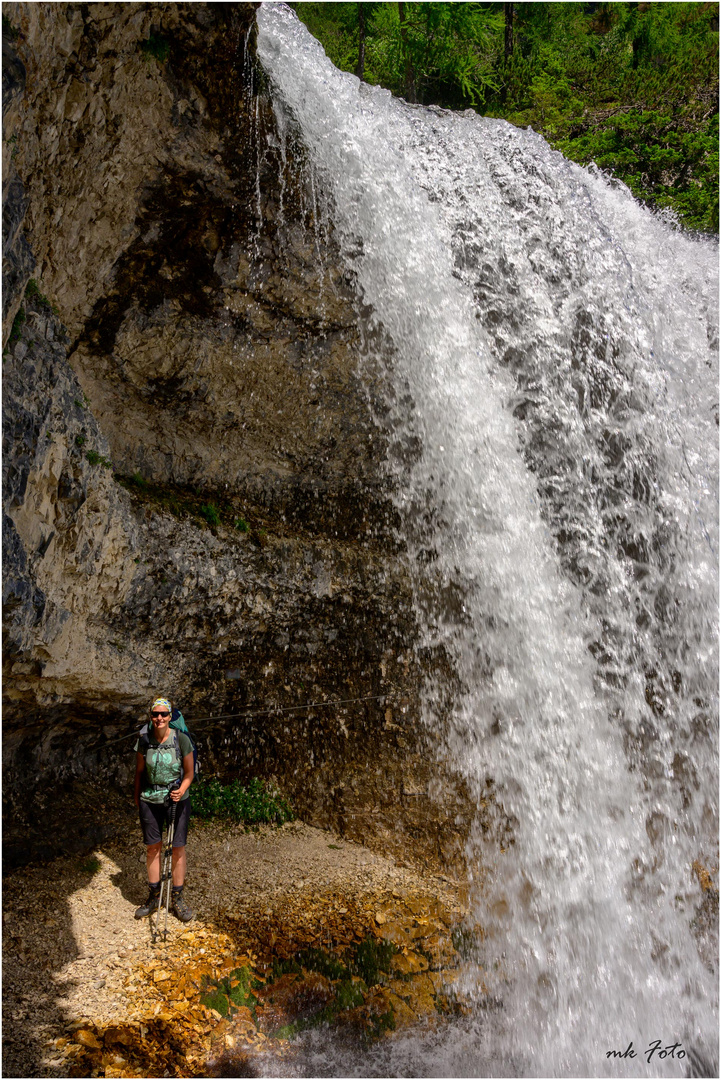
pixel 205 354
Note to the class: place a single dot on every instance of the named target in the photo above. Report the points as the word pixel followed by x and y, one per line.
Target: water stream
pixel 554 374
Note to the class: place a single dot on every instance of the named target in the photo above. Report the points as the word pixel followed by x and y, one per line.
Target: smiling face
pixel 160 714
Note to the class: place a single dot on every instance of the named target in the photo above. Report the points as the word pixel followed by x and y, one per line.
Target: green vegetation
pixel 94 458
pixel 235 991
pixel 631 86
pixel 9 30
pixel 155 47
pixel 368 961
pixel 91 865
pixel 17 326
pixel 361 966
pixel 188 503
pixel 32 292
pixel 371 958
pixel 211 514
pixel 350 975
pixel 258 804
pixel 80 440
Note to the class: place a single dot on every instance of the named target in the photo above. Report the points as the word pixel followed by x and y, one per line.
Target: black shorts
pixel 154 815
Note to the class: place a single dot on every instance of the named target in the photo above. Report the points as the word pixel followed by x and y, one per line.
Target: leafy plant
pixel 210 512
pixel 91 865
pixel 80 440
pixel 155 47
pixel 94 458
pixel 241 525
pixel 633 87
pixel 255 805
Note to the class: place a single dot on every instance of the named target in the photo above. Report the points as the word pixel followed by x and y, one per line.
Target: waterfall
pixel 553 453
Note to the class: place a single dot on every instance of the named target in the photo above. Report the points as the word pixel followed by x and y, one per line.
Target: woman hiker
pixel 164 756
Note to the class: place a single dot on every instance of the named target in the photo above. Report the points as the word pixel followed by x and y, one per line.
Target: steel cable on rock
pixel 251 712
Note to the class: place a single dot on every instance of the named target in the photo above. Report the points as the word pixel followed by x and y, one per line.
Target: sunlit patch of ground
pixel 294 928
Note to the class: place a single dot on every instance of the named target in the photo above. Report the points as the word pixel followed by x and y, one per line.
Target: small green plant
pixel 155 47
pixel 241 525
pixel 210 512
pixel 380 1024
pixel 235 991
pixel 80 440
pixel 9 30
pixel 324 963
pixel 349 995
pixel 79 403
pixel 371 958
pixel 32 292
pixel 255 805
pixel 95 458
pixel 91 865
pixel 17 325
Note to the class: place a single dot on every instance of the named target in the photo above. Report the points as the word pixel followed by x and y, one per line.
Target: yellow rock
pixel 394 932
pixel 417 992
pixel 160 975
pixel 381 918
pixel 88 1038
pixel 409 964
pixel 386 1001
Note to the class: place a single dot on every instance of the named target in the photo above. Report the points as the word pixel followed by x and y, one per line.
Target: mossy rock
pixel 217 1000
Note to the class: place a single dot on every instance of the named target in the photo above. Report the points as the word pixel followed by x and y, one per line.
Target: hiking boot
pixel 151 904
pixel 179 907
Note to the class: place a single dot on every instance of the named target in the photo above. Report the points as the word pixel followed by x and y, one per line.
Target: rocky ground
pixel 294 926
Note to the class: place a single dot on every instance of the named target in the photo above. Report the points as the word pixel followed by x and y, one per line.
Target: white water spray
pixel 559 347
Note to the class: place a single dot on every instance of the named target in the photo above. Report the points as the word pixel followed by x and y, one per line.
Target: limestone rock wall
pixel 194 498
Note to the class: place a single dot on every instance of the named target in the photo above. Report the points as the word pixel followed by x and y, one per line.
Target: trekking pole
pixel 166 872
pixel 169 860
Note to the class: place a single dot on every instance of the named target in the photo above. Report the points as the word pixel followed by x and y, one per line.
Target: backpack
pixel 177 722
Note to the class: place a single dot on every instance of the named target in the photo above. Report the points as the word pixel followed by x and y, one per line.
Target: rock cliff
pixel 194 494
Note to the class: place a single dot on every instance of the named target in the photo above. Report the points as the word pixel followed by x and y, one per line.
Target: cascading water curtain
pixel 559 346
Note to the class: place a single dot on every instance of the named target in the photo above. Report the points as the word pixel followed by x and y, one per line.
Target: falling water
pixel 554 356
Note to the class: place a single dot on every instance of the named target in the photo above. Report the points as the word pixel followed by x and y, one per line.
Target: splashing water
pixel 555 359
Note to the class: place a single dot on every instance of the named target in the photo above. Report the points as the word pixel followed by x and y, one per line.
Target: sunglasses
pixel 156 715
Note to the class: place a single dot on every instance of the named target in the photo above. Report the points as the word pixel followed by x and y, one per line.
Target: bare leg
pixel 179 865
pixel 153 861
